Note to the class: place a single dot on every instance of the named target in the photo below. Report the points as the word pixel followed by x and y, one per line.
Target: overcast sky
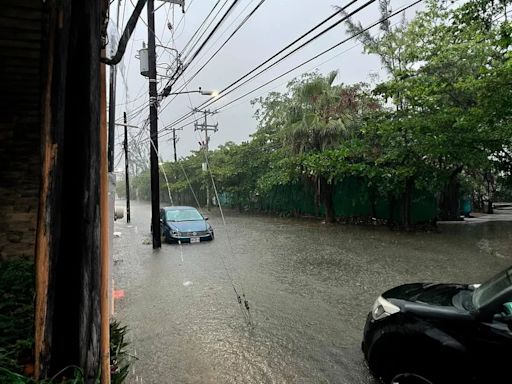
pixel 275 24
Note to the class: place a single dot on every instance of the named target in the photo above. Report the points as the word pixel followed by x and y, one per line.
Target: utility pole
pixel 174 141
pixel 206 127
pixel 153 129
pixel 126 174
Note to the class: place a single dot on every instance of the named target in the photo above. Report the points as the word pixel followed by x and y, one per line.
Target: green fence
pixel 351 199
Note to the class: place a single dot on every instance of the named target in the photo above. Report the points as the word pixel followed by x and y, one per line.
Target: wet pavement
pixel 309 287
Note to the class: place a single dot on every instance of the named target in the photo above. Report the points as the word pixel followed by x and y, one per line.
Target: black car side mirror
pixel 205 217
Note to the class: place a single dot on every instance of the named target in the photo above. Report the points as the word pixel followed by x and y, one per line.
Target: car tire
pixel 404 370
pixel 428 367
pixel 410 378
pixel 400 361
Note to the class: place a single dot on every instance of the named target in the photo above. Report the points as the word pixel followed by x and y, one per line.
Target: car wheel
pixel 401 363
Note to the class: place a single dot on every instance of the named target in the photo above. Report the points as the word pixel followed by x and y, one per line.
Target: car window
pixel 183 215
pixel 492 289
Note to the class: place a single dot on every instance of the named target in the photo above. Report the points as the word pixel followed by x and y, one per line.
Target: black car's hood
pixel 426 293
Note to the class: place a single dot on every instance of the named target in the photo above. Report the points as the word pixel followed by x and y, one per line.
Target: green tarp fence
pixel 351 199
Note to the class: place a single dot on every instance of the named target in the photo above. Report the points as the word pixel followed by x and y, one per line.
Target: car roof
pixel 178 208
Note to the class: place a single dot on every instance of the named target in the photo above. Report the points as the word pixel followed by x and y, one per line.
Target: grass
pixel 17 330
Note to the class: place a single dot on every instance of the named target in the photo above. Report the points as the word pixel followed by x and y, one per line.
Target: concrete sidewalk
pixel 501 213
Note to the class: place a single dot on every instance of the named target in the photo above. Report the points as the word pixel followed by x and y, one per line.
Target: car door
pixel 493 346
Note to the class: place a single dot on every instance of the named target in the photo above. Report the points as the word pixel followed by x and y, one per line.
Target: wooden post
pixel 68 270
pixel 104 229
pixel 42 257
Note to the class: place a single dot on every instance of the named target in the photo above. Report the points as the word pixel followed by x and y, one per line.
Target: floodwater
pixel 309 288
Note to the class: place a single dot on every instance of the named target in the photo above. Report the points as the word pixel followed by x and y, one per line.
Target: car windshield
pixel 183 215
pixel 491 289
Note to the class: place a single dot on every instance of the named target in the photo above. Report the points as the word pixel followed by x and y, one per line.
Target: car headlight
pixel 175 233
pixel 383 308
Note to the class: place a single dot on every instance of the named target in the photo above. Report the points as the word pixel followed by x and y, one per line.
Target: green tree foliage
pixel 439 123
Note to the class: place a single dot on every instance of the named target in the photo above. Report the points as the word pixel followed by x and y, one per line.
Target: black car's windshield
pixel 183 215
pixel 493 288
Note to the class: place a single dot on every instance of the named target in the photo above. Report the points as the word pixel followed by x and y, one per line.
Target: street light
pixel 200 91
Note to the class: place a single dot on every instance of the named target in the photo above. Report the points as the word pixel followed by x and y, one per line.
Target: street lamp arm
pixel 200 91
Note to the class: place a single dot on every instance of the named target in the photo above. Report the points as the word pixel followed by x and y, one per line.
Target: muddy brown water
pixel 309 287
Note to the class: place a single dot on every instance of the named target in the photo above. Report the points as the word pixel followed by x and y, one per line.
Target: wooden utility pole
pixel 153 129
pixel 174 141
pixel 126 168
pixel 206 127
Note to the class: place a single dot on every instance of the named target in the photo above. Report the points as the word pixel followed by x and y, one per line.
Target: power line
pixel 202 24
pixel 288 46
pixel 167 89
pixel 225 30
pixel 227 40
pixel 194 35
pixel 301 64
pixel 204 65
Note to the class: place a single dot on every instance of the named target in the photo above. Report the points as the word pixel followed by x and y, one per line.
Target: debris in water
pixel 187 283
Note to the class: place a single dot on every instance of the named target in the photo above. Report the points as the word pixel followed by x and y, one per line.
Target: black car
pixel 184 224
pixel 442 333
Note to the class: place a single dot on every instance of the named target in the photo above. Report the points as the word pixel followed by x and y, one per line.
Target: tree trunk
pixel 490 210
pixel 407 203
pixel 326 196
pixel 373 206
pixel 391 208
pixel 450 197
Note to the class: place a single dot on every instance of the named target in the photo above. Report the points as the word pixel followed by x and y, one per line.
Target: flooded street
pixel 309 287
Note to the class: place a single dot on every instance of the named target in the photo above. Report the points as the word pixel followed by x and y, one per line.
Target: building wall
pixel 19 188
pixel 20 145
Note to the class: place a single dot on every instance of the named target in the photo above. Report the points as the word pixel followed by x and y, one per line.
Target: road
pixel 309 287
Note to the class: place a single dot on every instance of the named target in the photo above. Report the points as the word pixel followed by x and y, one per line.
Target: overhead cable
pixel 222 92
pixel 167 89
pixel 297 66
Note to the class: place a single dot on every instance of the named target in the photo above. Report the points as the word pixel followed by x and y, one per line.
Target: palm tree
pixel 319 115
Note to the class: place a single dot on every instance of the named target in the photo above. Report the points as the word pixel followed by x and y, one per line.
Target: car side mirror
pixel 205 217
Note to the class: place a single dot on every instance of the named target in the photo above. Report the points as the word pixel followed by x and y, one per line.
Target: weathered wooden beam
pixel 105 235
pixel 69 333
pixel 49 154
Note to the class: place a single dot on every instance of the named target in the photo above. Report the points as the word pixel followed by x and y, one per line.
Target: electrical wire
pixel 243 304
pixel 227 40
pixel 224 32
pixel 299 65
pixel 290 45
pixel 203 23
pixel 167 89
pixel 197 72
